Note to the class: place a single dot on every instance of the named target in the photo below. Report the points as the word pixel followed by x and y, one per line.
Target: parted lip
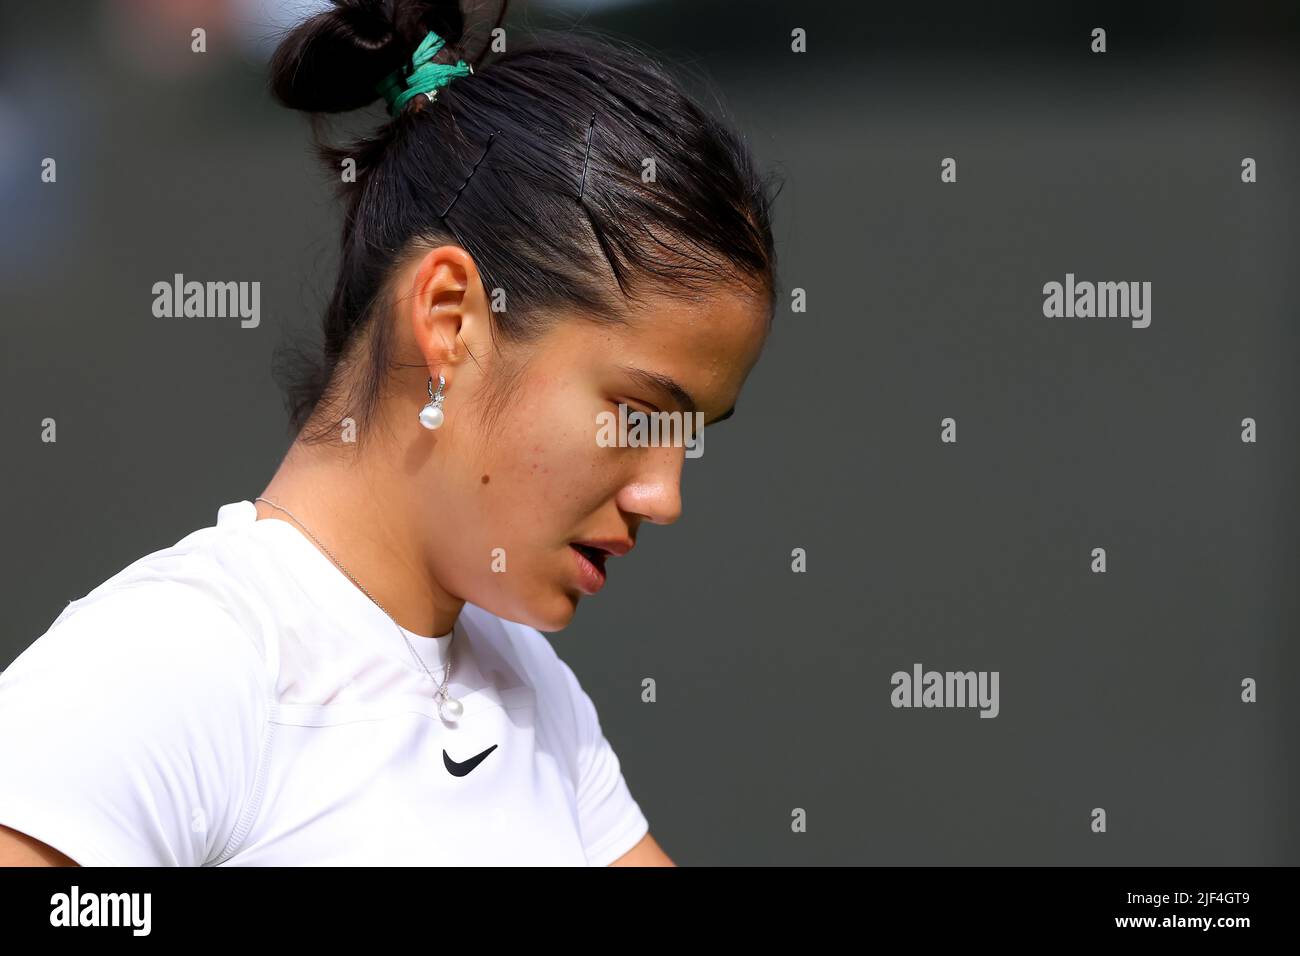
pixel 614 546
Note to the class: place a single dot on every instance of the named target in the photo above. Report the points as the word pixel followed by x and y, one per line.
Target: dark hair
pixel 538 155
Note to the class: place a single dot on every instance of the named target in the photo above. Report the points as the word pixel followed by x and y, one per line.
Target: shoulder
pixel 152 657
pixel 188 603
pixel 132 729
pixel 168 611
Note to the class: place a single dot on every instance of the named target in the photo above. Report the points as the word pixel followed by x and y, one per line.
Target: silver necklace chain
pixel 441 692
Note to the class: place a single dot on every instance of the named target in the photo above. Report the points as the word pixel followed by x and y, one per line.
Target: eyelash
pixel 632 406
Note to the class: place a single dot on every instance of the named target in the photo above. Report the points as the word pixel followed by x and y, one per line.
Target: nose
pixel 655 490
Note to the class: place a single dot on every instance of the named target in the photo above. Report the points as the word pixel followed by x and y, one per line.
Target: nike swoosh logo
pixel 460 768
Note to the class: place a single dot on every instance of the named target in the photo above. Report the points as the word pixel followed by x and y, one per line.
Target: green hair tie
pixel 422 76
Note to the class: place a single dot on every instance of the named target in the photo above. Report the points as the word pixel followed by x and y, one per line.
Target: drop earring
pixel 431 416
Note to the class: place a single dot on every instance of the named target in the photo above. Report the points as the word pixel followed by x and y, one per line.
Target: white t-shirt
pixel 236 700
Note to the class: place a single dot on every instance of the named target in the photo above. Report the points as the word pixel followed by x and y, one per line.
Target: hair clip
pixel 471 174
pixel 587 158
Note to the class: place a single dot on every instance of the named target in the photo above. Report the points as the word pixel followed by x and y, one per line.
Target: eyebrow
pixel 673 390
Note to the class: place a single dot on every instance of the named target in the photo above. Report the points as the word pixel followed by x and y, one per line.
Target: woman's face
pixel 515 492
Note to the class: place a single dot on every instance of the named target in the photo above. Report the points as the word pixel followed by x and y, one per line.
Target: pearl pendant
pixel 453 708
pixel 431 416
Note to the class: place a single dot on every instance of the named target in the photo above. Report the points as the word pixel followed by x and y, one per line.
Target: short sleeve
pixel 131 731
pixel 609 818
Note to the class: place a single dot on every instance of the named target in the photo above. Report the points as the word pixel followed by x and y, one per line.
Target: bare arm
pixel 18 849
pixel 647 852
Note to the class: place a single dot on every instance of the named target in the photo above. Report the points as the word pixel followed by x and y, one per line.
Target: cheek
pixel 544 463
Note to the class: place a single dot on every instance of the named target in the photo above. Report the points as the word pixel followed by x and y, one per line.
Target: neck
pixel 362 514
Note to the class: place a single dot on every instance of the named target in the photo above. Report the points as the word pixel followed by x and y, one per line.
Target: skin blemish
pixel 485 479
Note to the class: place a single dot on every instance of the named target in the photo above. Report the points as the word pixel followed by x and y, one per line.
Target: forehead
pixel 708 346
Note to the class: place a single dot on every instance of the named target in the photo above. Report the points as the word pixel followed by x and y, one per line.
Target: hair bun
pixel 333 61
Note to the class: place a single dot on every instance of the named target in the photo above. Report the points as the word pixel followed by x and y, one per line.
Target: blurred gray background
pixel 1118 690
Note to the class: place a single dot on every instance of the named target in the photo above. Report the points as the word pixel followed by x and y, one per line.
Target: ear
pixel 446 309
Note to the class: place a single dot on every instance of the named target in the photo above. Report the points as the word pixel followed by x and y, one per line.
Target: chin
pixel 556 615
pixel 551 611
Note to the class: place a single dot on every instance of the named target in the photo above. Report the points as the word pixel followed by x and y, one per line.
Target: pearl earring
pixel 431 415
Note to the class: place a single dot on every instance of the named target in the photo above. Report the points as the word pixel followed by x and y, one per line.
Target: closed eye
pixel 635 407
